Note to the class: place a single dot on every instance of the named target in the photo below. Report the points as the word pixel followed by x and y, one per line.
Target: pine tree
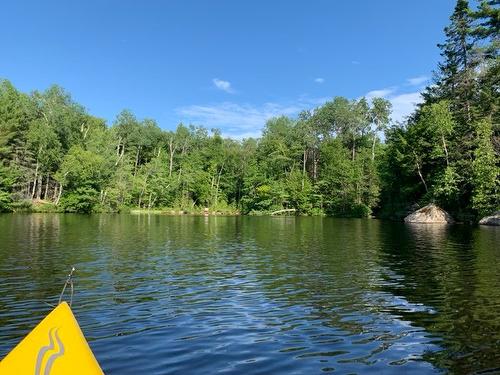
pixel 486 32
pixel 456 72
pixel 488 21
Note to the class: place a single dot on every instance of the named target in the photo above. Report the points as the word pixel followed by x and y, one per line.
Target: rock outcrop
pixel 430 214
pixel 493 219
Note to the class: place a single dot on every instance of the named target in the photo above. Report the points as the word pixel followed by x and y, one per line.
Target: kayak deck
pixel 56 346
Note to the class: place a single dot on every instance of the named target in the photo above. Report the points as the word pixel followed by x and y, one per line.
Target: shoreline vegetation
pixel 346 158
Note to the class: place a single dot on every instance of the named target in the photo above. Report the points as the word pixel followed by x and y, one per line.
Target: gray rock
pixel 493 219
pixel 430 214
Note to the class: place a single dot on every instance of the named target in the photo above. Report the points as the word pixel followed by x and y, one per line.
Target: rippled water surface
pixel 259 295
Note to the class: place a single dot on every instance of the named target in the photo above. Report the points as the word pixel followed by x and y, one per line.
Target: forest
pixel 346 158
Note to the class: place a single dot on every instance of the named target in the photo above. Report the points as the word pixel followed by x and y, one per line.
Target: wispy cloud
pixel 223 85
pixel 417 81
pixel 355 62
pixel 403 103
pixel 381 93
pixel 319 80
pixel 238 120
pixel 244 120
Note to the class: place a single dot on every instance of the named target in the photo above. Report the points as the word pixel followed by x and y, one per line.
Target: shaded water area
pixel 259 295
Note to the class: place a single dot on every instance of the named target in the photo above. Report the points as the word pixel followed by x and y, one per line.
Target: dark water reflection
pixel 161 295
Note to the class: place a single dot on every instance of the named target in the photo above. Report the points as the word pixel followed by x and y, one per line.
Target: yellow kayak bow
pixel 56 346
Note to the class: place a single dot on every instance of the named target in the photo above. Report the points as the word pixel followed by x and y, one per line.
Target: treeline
pixel 448 151
pixel 330 160
pixel 56 155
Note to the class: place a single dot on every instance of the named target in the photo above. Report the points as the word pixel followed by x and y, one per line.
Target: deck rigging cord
pixel 69 281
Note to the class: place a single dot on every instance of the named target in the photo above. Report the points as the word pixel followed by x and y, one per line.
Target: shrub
pixel 81 200
pixel 5 202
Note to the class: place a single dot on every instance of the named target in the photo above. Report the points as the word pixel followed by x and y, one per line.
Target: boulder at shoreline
pixel 430 214
pixel 493 219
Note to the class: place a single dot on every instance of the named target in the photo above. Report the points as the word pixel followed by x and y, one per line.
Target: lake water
pixel 259 295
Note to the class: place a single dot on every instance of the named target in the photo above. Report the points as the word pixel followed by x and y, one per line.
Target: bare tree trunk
pixel 171 157
pixel 445 150
pixel 137 160
pixel 315 166
pixel 39 187
pixel 59 194
pixel 60 189
pixel 84 130
pixel 45 194
pixel 118 146
pixel 54 192
pixel 283 211
pixel 34 181
pixel 420 172
pixel 120 150
pixel 304 161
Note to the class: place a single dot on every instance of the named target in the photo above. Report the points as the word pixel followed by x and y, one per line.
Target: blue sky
pixel 224 64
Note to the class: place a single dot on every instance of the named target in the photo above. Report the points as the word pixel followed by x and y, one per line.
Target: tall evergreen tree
pixel 456 72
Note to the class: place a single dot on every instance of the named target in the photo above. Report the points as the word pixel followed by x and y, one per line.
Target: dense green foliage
pixel 54 151
pixel 330 160
pixel 448 151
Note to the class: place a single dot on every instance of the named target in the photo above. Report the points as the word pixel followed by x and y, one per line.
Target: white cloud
pixel 355 62
pixel 319 80
pixel 417 81
pixel 223 85
pixel 403 103
pixel 238 120
pixel 381 93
